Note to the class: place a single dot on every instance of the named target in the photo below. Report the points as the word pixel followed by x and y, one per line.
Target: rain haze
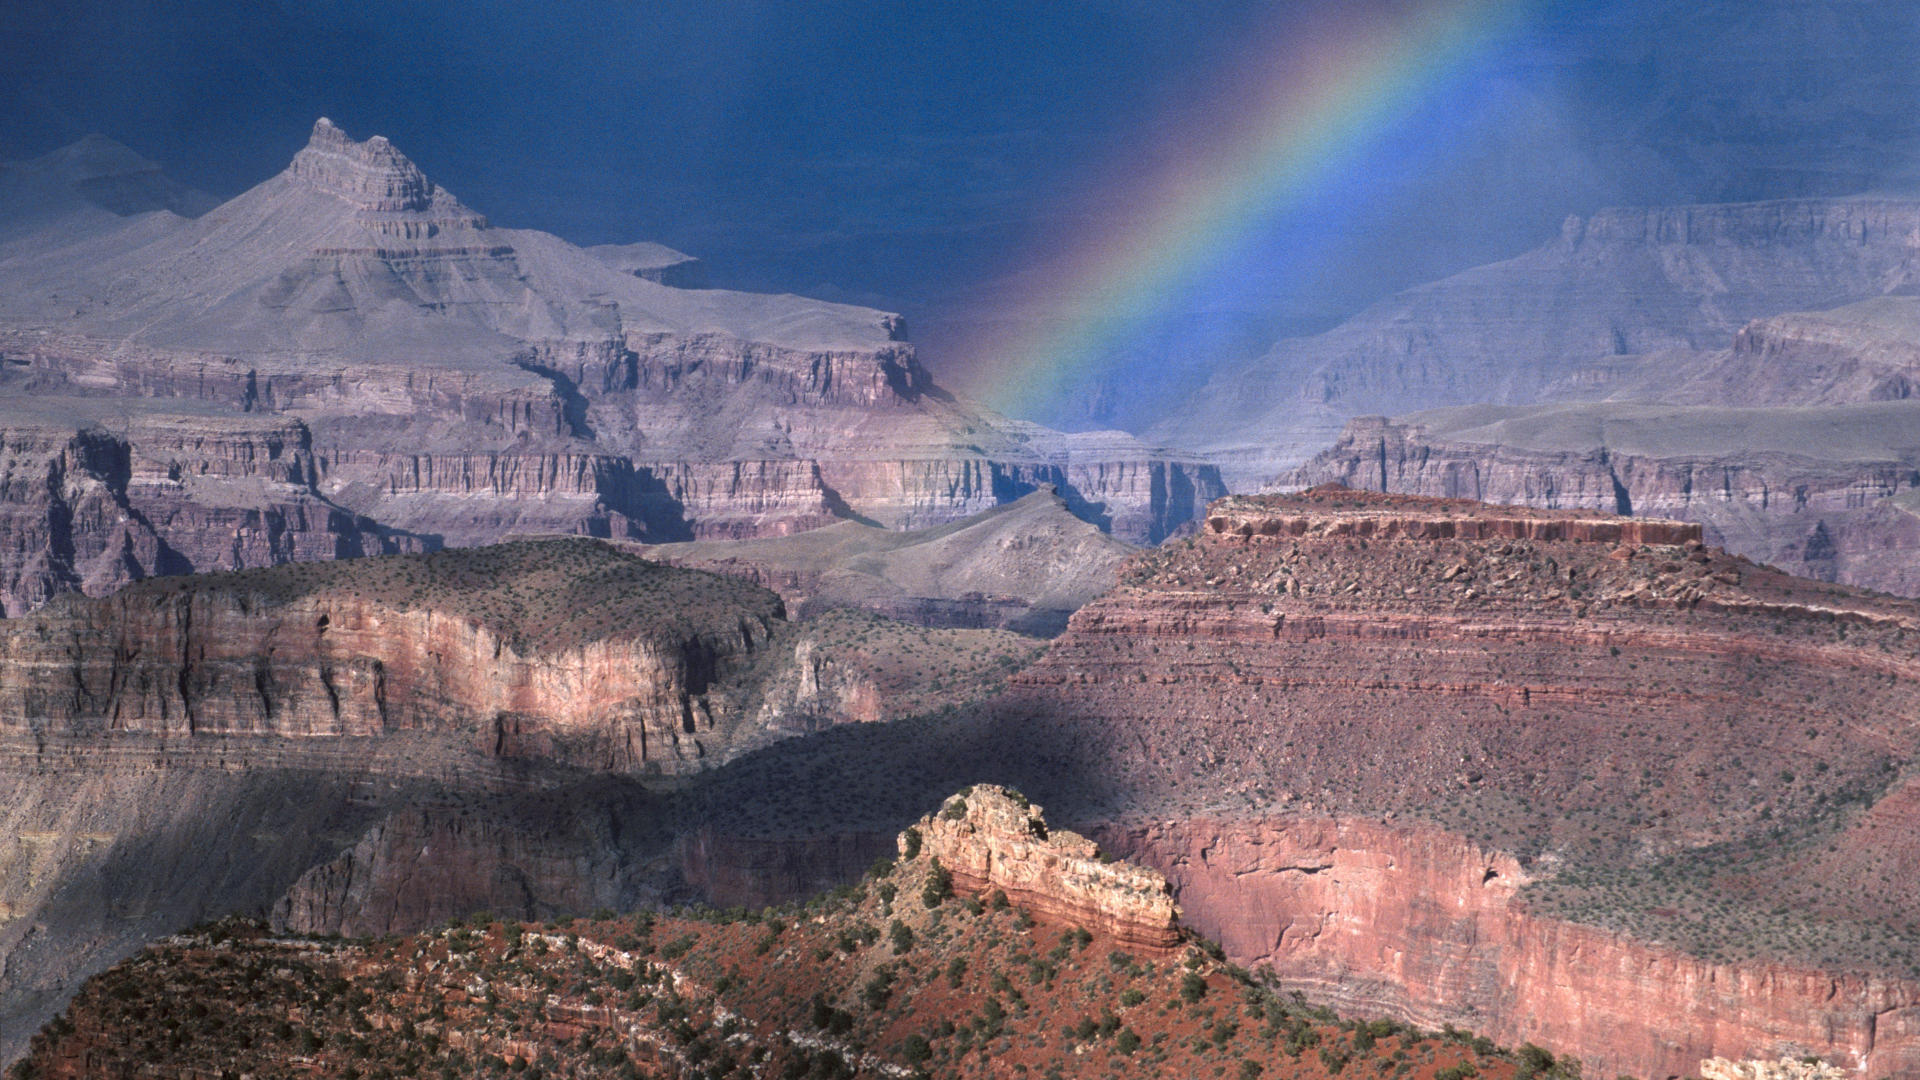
pixel 933 159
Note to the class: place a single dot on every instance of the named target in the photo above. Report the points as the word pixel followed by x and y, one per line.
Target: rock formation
pixel 453 383
pixel 562 650
pixel 371 746
pixel 1476 765
pixel 1025 566
pixel 1825 492
pixel 1784 1069
pixel 1553 776
pixel 949 989
pixel 1625 303
pixel 991 839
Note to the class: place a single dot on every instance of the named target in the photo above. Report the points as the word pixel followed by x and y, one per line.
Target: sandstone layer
pixel 1516 770
pixel 562 650
pixel 434 380
pixel 992 840
pixel 1552 776
pixel 1628 302
pixel 372 746
pixel 1826 492
pixel 1025 566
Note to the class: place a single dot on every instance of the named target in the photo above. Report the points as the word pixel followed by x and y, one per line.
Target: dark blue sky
pixel 907 154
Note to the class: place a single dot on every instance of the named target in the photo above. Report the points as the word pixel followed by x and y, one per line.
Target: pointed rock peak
pixel 372 175
pixel 91 157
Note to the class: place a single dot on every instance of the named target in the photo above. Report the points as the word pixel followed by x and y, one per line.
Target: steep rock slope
pixel 1619 294
pixel 953 987
pixel 373 746
pixel 560 650
pixel 1521 766
pixel 1025 566
pixel 463 383
pixel 1827 492
pixel 1519 770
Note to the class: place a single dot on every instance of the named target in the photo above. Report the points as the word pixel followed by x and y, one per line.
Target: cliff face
pixel 271 655
pixel 1628 302
pixel 992 840
pixel 438 381
pixel 1373 916
pixel 1518 770
pixel 94 507
pixel 1780 490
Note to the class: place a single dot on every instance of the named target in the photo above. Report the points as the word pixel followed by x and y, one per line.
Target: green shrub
pixel 939 886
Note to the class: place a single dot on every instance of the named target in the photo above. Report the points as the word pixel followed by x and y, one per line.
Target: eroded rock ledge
pixel 1332 510
pixel 991 838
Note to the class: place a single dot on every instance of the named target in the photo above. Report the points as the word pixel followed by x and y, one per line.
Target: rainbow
pixel 1300 109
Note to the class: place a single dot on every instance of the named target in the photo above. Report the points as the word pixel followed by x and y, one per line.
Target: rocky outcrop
pixel 991 839
pixel 1866 351
pixel 397 646
pixel 1532 773
pixel 1376 916
pixel 454 383
pixel 1365 517
pixel 1628 302
pixel 96 497
pixel 1826 493
pixel 1784 1069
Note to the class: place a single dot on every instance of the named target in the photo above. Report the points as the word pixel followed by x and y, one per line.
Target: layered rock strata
pixel 1628 302
pixel 458 384
pixel 1520 771
pixel 992 840
pixel 1826 492
pixel 403 644
pixel 371 746
pixel 97 495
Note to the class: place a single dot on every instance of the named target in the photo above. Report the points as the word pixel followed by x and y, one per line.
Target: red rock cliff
pixel 1358 724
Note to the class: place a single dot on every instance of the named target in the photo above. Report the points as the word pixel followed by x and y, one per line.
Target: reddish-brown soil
pixel 969 989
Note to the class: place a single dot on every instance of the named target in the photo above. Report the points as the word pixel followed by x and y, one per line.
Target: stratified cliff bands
pixel 1634 303
pixel 1550 775
pixel 561 650
pixel 1826 492
pixel 404 375
pixel 953 987
pixel 1528 771
pixel 373 746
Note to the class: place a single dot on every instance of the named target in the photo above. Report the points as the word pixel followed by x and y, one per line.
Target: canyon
pixel 1025 566
pixel 1515 770
pixel 802 991
pixel 1630 303
pixel 347 360
pixel 376 745
pixel 1825 492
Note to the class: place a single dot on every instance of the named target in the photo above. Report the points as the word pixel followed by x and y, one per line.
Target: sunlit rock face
pixel 421 378
pixel 1517 769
